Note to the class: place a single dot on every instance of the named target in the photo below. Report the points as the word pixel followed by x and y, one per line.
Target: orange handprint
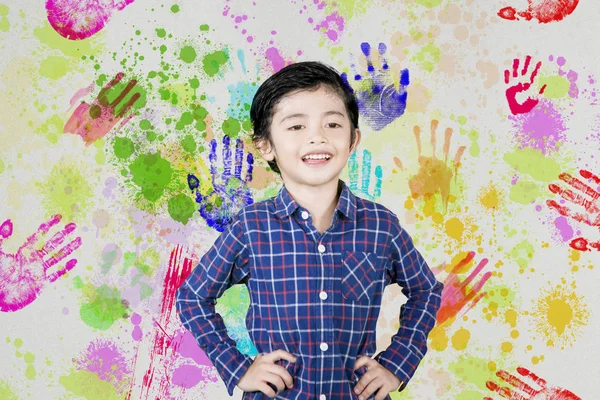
pixel 545 392
pixel 95 121
pixel 511 92
pixel 24 274
pixel 590 204
pixel 456 296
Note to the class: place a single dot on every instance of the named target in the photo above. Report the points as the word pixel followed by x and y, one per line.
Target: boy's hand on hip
pixel 264 370
pixel 377 379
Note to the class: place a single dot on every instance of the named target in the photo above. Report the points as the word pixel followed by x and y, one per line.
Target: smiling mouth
pixel 316 160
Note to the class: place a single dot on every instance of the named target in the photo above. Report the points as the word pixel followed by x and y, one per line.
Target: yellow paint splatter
pixel 506 347
pixel 438 339
pixel 560 314
pixel 460 339
pixel 455 228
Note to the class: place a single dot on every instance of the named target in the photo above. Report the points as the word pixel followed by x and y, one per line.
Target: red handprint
pixel 24 274
pixel 455 295
pixel 543 10
pixel 544 393
pixel 511 92
pixel 591 205
pixel 95 121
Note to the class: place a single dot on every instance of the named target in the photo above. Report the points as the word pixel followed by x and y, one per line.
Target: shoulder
pixel 370 209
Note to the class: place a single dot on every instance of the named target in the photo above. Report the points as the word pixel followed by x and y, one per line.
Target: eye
pixel 295 127
pixel 334 125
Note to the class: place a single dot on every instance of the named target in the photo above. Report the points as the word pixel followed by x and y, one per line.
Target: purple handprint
pixel 378 99
pixel 24 274
pixel 229 197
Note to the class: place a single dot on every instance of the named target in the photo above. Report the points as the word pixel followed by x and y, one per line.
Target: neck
pixel 319 201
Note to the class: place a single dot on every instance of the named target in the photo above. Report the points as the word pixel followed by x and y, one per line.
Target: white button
pixel 323 295
pixel 324 346
pixel 321 248
pixel 304 215
pixel 322 397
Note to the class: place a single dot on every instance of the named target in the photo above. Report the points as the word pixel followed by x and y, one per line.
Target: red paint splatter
pixel 456 295
pixel 513 91
pixel 543 10
pixel 77 20
pixel 93 122
pixel 525 391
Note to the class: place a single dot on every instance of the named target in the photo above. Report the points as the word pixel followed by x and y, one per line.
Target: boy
pixel 315 258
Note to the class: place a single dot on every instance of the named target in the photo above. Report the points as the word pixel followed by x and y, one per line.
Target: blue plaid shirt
pixel 317 296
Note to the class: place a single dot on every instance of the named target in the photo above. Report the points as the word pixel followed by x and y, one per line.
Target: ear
pixel 356 141
pixel 265 149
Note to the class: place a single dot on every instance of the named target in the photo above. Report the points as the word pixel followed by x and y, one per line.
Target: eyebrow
pixel 298 115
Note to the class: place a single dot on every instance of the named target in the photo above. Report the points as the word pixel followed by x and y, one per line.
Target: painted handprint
pixel 77 19
pixel 457 296
pixel 229 195
pixel 543 10
pixel 513 91
pixel 434 175
pixel 93 122
pixel 379 100
pixel 524 391
pixel 365 182
pixel 24 274
pixel 590 203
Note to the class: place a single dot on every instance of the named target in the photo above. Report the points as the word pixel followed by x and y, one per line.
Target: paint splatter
pixel 542 128
pixel 77 20
pixel 544 11
pixel 513 91
pixel 105 359
pixel 103 307
pixel 520 387
pixel 24 274
pixel 560 314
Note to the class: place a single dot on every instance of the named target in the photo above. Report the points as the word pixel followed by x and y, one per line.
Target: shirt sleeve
pixel 417 315
pixel 225 264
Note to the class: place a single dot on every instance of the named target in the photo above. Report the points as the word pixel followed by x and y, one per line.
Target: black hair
pixel 306 75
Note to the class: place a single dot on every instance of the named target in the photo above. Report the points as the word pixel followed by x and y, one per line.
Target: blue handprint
pixel 229 197
pixel 378 99
pixel 366 176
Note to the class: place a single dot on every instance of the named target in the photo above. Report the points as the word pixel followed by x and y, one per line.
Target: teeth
pixel 317 157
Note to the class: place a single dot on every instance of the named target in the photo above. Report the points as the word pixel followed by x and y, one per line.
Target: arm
pixel 225 264
pixel 417 316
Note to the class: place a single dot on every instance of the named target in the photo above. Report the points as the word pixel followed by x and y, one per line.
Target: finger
pixel 567 213
pixel 129 104
pixel 447 140
pixel 404 80
pixel 226 158
pixel 250 162
pixel 535 71
pixel 382 48
pixel 43 229
pixel 573 197
pixel 280 354
pixel 361 387
pixel 515 67
pixel 588 175
pixel 514 381
pixel 6 230
pixel 123 93
pixel 274 380
pixel 433 128
pixel 372 387
pixel 282 373
pixel 68 266
pixel 582 187
pixel 212 157
pixel 526 66
pixel 344 77
pixel 239 159
pixel 360 361
pixel 365 47
pixel 417 133
pixel 366 171
pixel 378 181
pixel 353 171
pixel 102 96
pixel 536 379
pixel 506 75
pixel 266 389
pixel 505 392
pixel 62 253
pixel 58 238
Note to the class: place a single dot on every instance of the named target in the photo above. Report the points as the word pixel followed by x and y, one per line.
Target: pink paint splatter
pixel 137 334
pixel 565 230
pixel 543 128
pixel 106 359
pixel 332 25
pixel 571 76
pixel 24 275
pixel 276 60
pixel 81 19
pixel 543 10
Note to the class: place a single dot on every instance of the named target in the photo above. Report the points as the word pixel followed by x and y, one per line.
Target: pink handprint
pixel 590 204
pixel 455 295
pixel 545 392
pixel 24 274
pixel 511 92
pixel 93 122
pixel 543 10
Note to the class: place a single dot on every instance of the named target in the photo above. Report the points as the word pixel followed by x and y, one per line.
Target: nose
pixel 318 136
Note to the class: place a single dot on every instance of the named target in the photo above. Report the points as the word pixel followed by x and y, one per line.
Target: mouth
pixel 316 160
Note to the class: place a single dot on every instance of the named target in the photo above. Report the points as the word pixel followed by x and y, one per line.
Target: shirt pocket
pixel 359 275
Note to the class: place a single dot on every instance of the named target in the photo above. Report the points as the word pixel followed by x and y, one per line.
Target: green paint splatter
pixel 556 86
pixel 212 62
pixel 189 144
pixel 89 386
pixel 104 307
pixel 52 128
pixel 6 392
pixel 30 370
pixel 175 8
pixel 54 67
pixel 4 23
pixel 428 57
pixel 123 148
pixel 187 54
pixel 71 48
pixel 152 174
pixel 524 192
pixel 522 253
pixel 181 208
pixel 66 191
pixel 429 3
pixel 473 370
pixel 2 166
pixel 231 127
pixel 474 149
pixel 161 33
pixel 533 163
pixel 204 27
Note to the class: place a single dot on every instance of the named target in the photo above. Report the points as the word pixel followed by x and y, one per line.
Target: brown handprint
pixel 543 10
pixel 456 296
pixel 95 121
pixel 590 204
pixel 24 274
pixel 511 92
pixel 544 393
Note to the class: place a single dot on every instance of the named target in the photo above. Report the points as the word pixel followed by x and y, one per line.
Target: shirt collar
pixel 285 205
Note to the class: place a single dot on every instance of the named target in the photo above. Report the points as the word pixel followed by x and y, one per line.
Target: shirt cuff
pixel 403 365
pixel 242 362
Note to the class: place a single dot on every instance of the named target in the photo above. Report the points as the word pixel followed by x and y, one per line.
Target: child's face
pixel 310 122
